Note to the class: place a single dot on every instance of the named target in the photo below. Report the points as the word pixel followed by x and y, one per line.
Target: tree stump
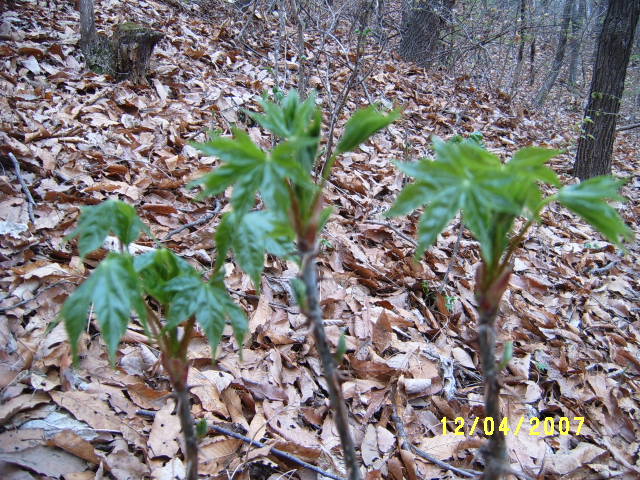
pixel 125 55
pixel 132 46
pixel 422 23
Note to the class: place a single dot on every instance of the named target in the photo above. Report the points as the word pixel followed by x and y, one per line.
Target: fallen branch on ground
pixel 628 127
pixel 200 221
pixel 407 445
pixel 275 451
pixel 25 189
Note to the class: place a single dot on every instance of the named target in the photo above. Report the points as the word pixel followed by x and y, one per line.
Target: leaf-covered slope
pixel 571 310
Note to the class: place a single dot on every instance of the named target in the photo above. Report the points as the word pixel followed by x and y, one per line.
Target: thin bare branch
pixel 25 189
pixel 407 445
pixel 276 452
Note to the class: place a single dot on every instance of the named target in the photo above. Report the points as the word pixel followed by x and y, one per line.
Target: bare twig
pixel 258 444
pixel 200 221
pixel 407 445
pixel 281 306
pixel 300 24
pixel 24 302
pixel 627 127
pixel 344 94
pixel 395 229
pixel 276 452
pixel 247 22
pixel 454 255
pixel 606 268
pixel 25 189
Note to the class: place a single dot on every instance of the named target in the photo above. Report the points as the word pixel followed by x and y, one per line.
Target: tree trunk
pixel 541 96
pixel 520 34
pixel 532 62
pixel 601 114
pixel 378 21
pixel 423 20
pixel 577 32
pixel 87 25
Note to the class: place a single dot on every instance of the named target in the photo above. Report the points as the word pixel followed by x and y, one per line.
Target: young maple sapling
pixel 490 196
pixel 293 210
pixel 166 293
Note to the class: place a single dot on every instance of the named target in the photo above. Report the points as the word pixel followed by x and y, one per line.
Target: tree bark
pixel 422 23
pixel 520 34
pixel 87 25
pixel 595 145
pixel 489 291
pixel 133 45
pixel 541 96
pixel 495 451
pixel 577 32
pixel 532 61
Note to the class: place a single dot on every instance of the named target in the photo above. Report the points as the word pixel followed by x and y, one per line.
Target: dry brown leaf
pixel 163 438
pixel 76 445
pixel 89 408
pixel 45 461
pixel 20 403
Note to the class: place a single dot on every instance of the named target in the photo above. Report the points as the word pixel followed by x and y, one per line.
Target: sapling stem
pixel 469 185
pixel 176 365
pixel 155 326
pixel 186 338
pixel 491 289
pixel 149 284
pixel 495 452
pixel 309 275
pixel 188 431
pixel 289 166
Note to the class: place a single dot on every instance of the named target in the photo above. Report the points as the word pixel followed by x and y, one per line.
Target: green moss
pixel 100 56
pixel 130 27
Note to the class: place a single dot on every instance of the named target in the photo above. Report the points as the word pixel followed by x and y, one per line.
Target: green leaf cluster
pixel 123 284
pixel 476 138
pixel 282 177
pixel 105 218
pixel 464 177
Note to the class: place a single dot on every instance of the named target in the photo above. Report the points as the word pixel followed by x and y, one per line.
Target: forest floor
pixel 572 308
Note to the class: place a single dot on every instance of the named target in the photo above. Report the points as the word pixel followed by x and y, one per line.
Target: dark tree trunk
pixel 577 32
pixel 124 55
pixel 541 96
pixel 520 34
pixel 601 114
pixel 532 61
pixel 422 23
pixel 8 5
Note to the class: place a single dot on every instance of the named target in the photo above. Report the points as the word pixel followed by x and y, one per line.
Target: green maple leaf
pixel 589 200
pixel 114 290
pixel 97 221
